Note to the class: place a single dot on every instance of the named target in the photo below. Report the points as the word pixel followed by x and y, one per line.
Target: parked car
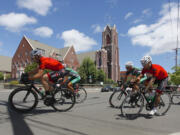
pixel 107 88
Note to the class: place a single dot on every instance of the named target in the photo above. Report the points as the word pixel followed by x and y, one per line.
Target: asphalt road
pixel 93 117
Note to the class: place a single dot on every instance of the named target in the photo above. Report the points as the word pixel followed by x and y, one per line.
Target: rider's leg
pixel 162 84
pixel 70 86
pixel 158 97
pixel 45 81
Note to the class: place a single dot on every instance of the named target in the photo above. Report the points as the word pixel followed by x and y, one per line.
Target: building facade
pixel 22 57
pixel 107 58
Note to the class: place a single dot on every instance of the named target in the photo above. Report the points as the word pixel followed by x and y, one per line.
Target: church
pixel 107 58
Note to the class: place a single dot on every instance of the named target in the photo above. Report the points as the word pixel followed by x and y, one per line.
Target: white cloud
pixel 97 28
pixel 123 35
pixel 160 37
pixel 137 21
pixel 43 31
pixel 39 6
pixel 15 21
pixel 146 12
pixel 79 40
pixel 129 14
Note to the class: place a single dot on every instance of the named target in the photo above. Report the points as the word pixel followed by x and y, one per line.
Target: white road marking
pixel 5 90
pixel 177 133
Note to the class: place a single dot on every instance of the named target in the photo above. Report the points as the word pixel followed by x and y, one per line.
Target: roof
pixel 81 56
pixel 5 65
pixel 49 50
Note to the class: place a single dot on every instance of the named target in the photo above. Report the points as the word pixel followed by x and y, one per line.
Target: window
pixel 108 39
pixel 23 45
pixel 26 53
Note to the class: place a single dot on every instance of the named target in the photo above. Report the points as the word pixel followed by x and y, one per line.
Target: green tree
pixel 175 77
pixel 87 71
pixel 1 76
pixel 30 67
pixel 101 76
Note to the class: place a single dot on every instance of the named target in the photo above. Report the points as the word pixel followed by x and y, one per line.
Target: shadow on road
pixel 21 127
pixel 133 116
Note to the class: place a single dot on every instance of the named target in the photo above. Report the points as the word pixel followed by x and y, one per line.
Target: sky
pixel 145 27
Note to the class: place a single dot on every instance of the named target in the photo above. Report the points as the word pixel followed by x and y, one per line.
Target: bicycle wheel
pixel 164 105
pixel 132 105
pixel 175 98
pixel 23 99
pixel 116 98
pixel 64 100
pixel 81 95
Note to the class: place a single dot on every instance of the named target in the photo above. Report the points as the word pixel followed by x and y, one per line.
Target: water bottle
pixel 42 91
pixel 151 96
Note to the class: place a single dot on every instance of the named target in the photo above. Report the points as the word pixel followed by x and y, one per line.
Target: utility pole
pixel 176 58
pixel 176 49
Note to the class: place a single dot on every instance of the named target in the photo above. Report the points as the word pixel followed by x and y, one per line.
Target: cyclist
pixel 158 76
pixel 131 75
pixel 45 63
pixel 71 77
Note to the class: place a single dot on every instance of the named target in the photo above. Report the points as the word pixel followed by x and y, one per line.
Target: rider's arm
pixel 39 74
pixel 139 77
pixel 151 82
pixel 65 79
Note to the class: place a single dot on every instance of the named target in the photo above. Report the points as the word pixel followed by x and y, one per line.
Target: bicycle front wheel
pixel 23 99
pixel 81 95
pixel 132 105
pixel 64 100
pixel 116 98
pixel 164 105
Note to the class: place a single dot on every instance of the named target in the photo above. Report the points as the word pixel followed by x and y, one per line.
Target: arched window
pixel 108 39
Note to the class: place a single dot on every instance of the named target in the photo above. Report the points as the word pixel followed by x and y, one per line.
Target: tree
pixel 87 71
pixel 1 76
pixel 30 67
pixel 101 76
pixel 175 77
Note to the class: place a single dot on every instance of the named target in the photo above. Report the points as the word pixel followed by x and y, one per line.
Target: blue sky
pixel 144 26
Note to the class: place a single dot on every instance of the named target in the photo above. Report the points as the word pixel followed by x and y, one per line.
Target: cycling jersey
pixel 74 76
pixel 134 72
pixel 157 71
pixel 50 63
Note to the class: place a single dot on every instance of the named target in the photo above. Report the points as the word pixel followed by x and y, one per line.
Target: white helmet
pixel 36 52
pixel 146 59
pixel 129 64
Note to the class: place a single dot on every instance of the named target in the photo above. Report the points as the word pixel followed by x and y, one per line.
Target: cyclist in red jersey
pixel 158 76
pixel 45 63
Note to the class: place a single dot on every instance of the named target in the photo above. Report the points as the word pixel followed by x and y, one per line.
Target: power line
pixel 171 19
pixel 177 37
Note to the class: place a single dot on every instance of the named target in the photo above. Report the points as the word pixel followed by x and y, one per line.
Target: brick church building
pixel 107 58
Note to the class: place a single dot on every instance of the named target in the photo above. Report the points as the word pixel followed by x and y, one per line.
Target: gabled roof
pixel 5 64
pixel 81 56
pixel 49 50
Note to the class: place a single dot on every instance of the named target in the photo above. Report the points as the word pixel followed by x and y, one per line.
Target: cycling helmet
pixel 146 59
pixel 36 52
pixel 129 64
